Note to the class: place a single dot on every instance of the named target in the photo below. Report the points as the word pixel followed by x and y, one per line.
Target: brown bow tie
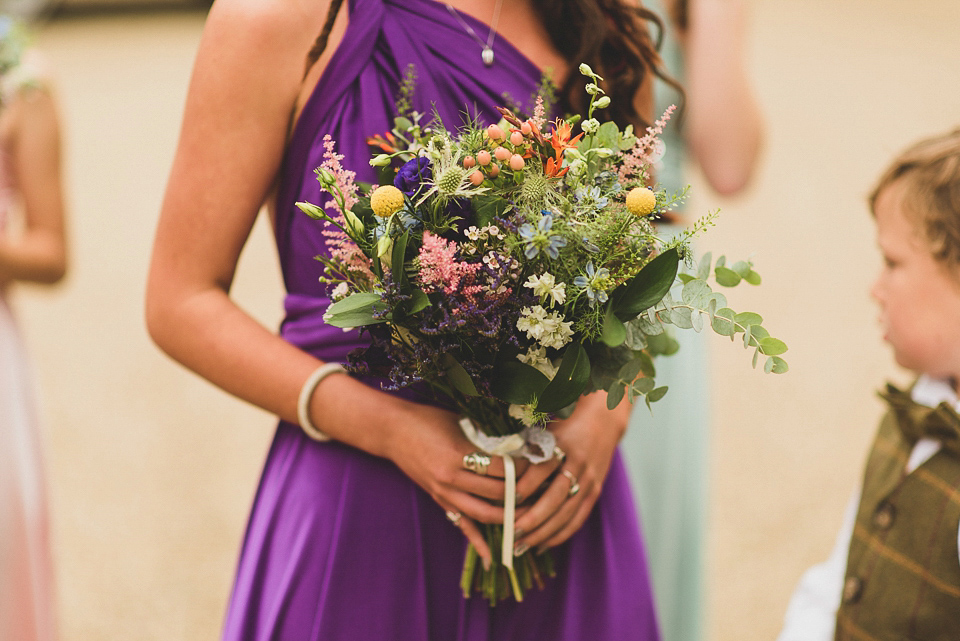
pixel 918 421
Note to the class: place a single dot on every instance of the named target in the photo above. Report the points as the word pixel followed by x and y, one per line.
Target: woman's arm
pixel 724 126
pixel 39 254
pixel 245 84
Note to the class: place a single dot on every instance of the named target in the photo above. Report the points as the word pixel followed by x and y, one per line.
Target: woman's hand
pixel 428 446
pixel 589 438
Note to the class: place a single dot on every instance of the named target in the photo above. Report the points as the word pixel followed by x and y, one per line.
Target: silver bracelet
pixel 306 393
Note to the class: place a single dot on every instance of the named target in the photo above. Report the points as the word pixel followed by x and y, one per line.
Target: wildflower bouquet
pixel 512 269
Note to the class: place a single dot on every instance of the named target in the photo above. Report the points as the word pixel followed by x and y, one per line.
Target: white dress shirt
pixel 812 612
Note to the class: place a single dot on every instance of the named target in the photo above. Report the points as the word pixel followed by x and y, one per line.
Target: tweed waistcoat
pixel 902 581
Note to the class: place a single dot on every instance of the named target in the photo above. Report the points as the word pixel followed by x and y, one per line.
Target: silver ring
pixel 477 462
pixel 454 517
pixel 559 454
pixel 574 484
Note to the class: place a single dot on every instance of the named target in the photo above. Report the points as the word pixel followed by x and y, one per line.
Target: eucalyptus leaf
pixel 685 278
pixel 723 322
pixel 630 370
pixel 779 365
pixel 643 385
pixel 742 268
pixel 727 277
pixel 748 318
pixel 681 317
pixel 662 345
pixel 656 394
pixel 703 268
pixel 753 278
pixel 615 395
pixel 696 293
pixel 772 346
pixel 697 321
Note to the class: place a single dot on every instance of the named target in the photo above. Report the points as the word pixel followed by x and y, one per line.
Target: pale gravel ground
pixel 152 470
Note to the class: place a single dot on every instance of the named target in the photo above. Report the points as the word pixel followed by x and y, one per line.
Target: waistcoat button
pixel 852 588
pixel 884 516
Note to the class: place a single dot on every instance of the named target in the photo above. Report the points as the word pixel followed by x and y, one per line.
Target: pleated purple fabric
pixel 341 545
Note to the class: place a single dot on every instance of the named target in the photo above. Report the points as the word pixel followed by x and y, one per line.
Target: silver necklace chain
pixel 486 53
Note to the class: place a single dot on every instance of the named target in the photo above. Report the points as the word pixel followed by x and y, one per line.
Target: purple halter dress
pixel 341 545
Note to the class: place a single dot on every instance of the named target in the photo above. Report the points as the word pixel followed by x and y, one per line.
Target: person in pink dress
pixel 32 249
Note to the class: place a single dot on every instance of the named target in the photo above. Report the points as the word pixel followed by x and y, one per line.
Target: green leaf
pixel 742 268
pixel 727 277
pixel 397 258
pixel 696 293
pixel 756 356
pixel 752 277
pixel 488 207
pixel 614 331
pixel 615 394
pixel 402 124
pixel 662 345
pixel 643 385
pixel 682 317
pixel 697 321
pixel 517 383
pixel 646 365
pixel 746 319
pixel 355 310
pixel 685 278
pixel 703 269
pixel 723 322
pixel 418 301
pixel 648 287
pixel 459 377
pixel 608 135
pixel 779 366
pixel 657 394
pixel 630 370
pixel 772 346
pixel 722 261
pixel 570 381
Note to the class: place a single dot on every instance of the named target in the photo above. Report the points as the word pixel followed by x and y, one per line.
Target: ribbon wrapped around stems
pixel 534 444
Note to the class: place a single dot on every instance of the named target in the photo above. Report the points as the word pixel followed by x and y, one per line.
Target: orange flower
pixel 560 140
pixel 386 142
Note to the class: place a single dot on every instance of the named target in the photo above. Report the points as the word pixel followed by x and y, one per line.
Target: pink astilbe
pixel 343 250
pixel 539 115
pixel 440 269
pixel 646 149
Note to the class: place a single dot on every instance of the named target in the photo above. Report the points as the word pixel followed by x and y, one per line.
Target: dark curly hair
pixel 609 35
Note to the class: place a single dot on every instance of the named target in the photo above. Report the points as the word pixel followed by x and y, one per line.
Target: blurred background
pixel 151 470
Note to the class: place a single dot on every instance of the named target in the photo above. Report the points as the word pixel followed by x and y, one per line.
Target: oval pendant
pixel 487 56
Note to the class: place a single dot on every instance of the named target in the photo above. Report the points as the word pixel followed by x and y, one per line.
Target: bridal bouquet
pixel 513 268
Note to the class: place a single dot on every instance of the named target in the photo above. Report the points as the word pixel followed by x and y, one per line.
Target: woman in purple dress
pixel 348 538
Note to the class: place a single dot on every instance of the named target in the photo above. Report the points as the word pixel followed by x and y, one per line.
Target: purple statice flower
pixel 538 239
pixel 412 175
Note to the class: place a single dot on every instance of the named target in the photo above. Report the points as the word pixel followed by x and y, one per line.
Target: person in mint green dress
pixel 720 132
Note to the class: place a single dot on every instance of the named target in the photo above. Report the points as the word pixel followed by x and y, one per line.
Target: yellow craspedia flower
pixel 386 200
pixel 641 201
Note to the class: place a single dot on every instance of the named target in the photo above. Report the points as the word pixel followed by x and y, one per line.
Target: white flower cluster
pixel 547 285
pixel 537 357
pixel 479 236
pixel 547 328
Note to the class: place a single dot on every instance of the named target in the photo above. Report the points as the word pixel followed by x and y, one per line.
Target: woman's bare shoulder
pixel 267 27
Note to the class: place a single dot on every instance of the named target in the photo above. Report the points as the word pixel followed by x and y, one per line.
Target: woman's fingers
pixel 548 514
pixel 534 477
pixel 473 534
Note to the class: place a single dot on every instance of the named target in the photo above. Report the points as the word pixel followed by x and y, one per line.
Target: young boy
pixel 895 572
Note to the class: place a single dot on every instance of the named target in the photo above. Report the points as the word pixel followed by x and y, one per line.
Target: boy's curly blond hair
pixel 929 175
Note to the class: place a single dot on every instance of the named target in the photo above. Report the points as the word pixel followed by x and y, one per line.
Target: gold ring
pixel 454 517
pixel 559 454
pixel 574 484
pixel 477 462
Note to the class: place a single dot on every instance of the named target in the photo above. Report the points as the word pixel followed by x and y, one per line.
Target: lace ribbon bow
pixel 507 447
